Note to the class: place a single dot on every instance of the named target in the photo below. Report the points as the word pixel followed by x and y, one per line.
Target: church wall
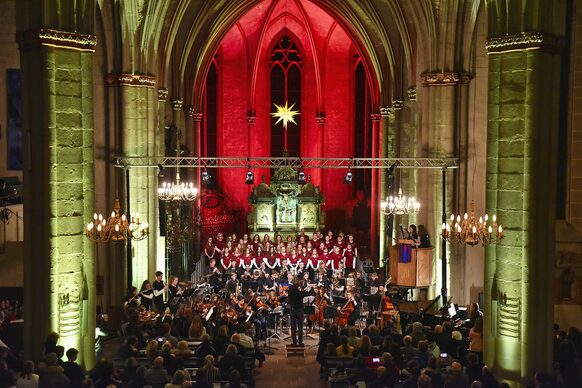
pixel 244 89
pixel 9 59
pixel 574 184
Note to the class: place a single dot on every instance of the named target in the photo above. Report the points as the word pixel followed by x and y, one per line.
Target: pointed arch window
pixel 285 79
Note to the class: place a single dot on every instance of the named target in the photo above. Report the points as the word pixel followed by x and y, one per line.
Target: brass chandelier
pixel 470 231
pixel 177 191
pixel 116 227
pixel 400 205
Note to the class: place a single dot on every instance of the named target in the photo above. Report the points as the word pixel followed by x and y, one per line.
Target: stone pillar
pixel 161 135
pixel 523 104
pixel 385 241
pixel 57 125
pixel 177 105
pixel 441 106
pixel 374 196
pixel 190 131
pixel 139 139
pixel 318 173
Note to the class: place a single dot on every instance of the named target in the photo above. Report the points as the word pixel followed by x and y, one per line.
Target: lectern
pixel 410 266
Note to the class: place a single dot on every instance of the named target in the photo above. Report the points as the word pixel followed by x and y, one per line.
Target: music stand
pixel 250 285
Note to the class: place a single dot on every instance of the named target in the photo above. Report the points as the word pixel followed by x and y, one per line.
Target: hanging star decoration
pixel 285 113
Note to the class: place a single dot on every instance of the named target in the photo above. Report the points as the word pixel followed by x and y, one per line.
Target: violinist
pixel 159 289
pixel 232 283
pixel 146 295
pixel 132 298
pixel 212 268
pixel 260 319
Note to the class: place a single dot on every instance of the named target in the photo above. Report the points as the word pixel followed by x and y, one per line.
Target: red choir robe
pixel 335 259
pixel 227 257
pixel 349 256
pixel 313 261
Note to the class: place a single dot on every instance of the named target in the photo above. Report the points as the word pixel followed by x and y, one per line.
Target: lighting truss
pixel 246 163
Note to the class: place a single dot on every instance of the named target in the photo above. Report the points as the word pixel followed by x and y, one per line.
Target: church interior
pixel 146 136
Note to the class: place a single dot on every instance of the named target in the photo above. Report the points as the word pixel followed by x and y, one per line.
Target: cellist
pixel 346 311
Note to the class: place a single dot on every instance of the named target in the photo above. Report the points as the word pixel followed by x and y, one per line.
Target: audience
pixel 157 376
pixel 27 379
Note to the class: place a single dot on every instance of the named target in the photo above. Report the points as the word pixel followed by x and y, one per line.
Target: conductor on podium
pixel 295 300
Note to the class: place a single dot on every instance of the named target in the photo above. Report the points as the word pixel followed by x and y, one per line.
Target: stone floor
pixel 292 372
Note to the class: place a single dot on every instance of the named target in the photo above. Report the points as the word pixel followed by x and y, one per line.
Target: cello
pixel 345 312
pixel 320 305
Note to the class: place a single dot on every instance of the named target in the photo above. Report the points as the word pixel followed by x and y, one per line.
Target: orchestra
pixel 247 281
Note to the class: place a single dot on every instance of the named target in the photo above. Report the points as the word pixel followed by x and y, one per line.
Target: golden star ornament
pixel 285 113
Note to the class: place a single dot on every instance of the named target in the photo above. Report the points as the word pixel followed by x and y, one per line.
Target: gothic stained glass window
pixel 286 87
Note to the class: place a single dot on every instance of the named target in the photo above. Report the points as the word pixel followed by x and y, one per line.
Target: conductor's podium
pixel 410 266
pixel 294 350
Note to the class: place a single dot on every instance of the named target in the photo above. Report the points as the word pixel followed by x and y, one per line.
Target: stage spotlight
pixel 205 176
pixel 301 178
pixel 250 178
pixel 349 177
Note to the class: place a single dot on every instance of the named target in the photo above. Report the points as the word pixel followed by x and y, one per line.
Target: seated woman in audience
pixel 365 345
pixel 171 362
pixel 177 380
pixel 211 373
pixel 205 348
pixel 129 348
pixel 27 379
pixel 221 340
pixel 344 350
pixel 197 329
pixel 201 381
pixel 231 361
pixel 151 350
pixel 353 339
pixel 182 351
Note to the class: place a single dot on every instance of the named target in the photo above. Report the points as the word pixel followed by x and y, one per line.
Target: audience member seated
pixel 409 352
pixel 344 350
pixel 130 371
pixel 221 340
pixel 73 370
pixel 211 373
pixel 361 372
pixel 129 348
pixel 140 379
pixel 201 380
pixel 157 376
pixel 6 377
pixel 340 377
pixel 171 362
pixel 151 350
pixel 382 379
pixel 353 339
pixel 182 352
pixel 365 346
pixel 473 368
pixel 52 375
pixel 456 378
pixel 234 380
pixel 177 380
pixel 231 361
pixel 167 335
pixel 60 352
pixel 423 355
pixel 27 379
pixel 417 334
pixel 205 348
pixel 197 329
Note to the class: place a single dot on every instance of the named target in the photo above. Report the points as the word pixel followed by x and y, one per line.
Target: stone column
pixel 385 242
pixel 160 150
pixel 523 104
pixel 441 106
pixel 161 134
pixel 139 139
pixel 318 173
pixel 190 131
pixel 374 196
pixel 57 125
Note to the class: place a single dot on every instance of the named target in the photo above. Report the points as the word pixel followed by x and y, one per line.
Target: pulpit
pixel 285 206
pixel 411 266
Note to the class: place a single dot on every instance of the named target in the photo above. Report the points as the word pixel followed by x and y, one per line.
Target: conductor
pixel 295 300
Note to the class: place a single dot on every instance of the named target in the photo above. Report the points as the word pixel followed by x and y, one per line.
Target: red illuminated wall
pixel 243 88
